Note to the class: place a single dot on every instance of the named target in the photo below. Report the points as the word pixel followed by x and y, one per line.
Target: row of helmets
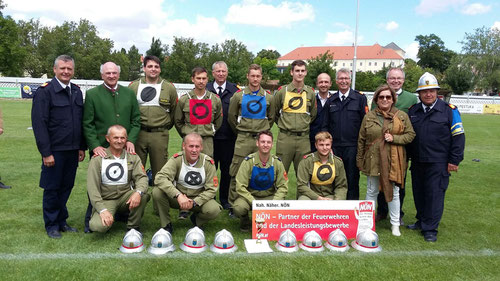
pixel 161 243
pixel 366 241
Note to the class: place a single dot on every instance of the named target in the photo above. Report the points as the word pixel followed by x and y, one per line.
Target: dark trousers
pixel 223 155
pixel 430 181
pixel 348 155
pixel 57 182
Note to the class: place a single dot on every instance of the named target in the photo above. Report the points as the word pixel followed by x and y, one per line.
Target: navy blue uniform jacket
pixel 224 132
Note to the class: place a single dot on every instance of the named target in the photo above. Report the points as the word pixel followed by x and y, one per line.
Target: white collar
pixel 63 85
pixel 216 87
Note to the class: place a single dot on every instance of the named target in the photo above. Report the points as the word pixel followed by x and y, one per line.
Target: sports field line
pixel 181 255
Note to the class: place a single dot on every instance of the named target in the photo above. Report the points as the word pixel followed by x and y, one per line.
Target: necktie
pixel 427 109
pixel 220 91
pixel 68 90
pixel 342 98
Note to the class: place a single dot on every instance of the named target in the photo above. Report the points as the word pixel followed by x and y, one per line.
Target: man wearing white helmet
pixel 437 149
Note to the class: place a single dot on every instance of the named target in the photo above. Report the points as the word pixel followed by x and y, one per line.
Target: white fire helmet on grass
pixel 161 243
pixel 223 243
pixel 132 242
pixel 427 81
pixel 312 242
pixel 337 241
pixel 194 241
pixel 367 241
pixel 287 242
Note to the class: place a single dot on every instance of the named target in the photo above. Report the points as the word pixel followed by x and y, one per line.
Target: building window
pixel 351 64
pixel 360 64
pixel 335 64
pixel 343 64
pixel 369 64
pixel 392 63
pixel 375 63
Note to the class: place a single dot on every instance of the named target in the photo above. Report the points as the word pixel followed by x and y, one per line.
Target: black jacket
pixel 224 132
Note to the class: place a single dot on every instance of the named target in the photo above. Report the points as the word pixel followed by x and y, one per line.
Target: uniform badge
pixel 295 102
pixel 216 181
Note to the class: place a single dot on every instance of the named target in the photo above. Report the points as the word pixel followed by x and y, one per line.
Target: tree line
pixel 29 48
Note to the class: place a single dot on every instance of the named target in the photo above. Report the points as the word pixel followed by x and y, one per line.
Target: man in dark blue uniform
pixel 56 117
pixel 224 139
pixel 344 112
pixel 437 150
pixel 323 84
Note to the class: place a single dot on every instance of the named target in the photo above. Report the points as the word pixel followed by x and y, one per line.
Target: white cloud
pixel 342 25
pixel 390 26
pixel 412 51
pixel 429 7
pixel 342 38
pixel 475 9
pixel 496 25
pixel 254 12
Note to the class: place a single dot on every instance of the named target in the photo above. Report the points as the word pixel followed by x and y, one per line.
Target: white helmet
pixel 427 81
pixel 287 242
pixel 312 242
pixel 161 243
pixel 194 241
pixel 337 241
pixel 132 242
pixel 223 243
pixel 367 241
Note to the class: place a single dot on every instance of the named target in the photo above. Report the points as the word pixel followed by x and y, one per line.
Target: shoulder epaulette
pixel 268 92
pixel 248 157
pixel 452 106
pixel 44 84
pixel 361 93
pixel 131 83
pixel 280 88
pixel 276 157
pixel 238 86
pixel 76 85
pixel 411 106
pixel 308 155
pixel 210 159
pixel 239 90
pixel 313 89
pixel 177 155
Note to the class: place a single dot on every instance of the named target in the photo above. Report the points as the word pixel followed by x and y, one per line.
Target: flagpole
pixel 355 49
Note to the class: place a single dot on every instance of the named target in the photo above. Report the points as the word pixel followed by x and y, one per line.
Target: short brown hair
pixel 265 132
pixel 153 58
pixel 197 70
pixel 381 88
pixel 254 66
pixel 323 136
pixel 298 63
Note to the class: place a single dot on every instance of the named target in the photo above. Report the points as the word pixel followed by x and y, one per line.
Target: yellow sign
pixel 295 102
pixel 491 109
pixel 323 174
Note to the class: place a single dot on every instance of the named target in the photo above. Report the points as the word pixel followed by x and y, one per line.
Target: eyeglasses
pixel 385 97
pixel 396 78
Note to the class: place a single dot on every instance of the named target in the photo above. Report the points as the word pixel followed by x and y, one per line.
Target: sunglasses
pixel 385 97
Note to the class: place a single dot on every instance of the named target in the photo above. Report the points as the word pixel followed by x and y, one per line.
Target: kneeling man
pixel 261 176
pixel 187 182
pixel 321 175
pixel 116 183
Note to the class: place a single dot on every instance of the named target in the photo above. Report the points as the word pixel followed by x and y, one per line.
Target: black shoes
pixel 430 237
pixel 54 234
pixel 3 186
pixel 67 228
pixel 183 215
pixel 169 228
pixel 415 226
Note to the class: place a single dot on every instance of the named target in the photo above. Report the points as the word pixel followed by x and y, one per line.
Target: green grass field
pixel 468 246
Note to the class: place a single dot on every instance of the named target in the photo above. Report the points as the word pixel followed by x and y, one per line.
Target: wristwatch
pixel 140 192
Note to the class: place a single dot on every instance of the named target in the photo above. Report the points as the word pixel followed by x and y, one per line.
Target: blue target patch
pixel 253 107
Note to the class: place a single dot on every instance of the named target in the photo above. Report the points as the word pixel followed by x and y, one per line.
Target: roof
pixel 393 46
pixel 342 53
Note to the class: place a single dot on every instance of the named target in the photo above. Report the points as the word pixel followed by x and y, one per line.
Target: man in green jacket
pixel 261 176
pixel 295 106
pixel 157 99
pixel 106 105
pixel 321 175
pixel 250 111
pixel 199 111
pixel 187 182
pixel 110 180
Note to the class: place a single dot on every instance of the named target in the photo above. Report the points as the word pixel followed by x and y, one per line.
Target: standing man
pixel 261 176
pixel 106 105
pixel 56 118
pixel 395 79
pixel 224 139
pixel 345 110
pixel 117 183
pixel 295 107
pixel 188 182
pixel 321 175
pixel 157 99
pixel 199 111
pixel 323 84
pixel 437 150
pixel 2 185
pixel 251 111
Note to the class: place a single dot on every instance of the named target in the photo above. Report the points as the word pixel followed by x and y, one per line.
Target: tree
pixel 12 54
pixel 459 76
pixel 186 54
pixel 432 53
pixel 157 49
pixel 268 54
pixel 135 63
pixel 236 56
pixel 121 59
pixel 412 74
pixel 269 71
pixel 368 81
pixel 482 52
pixel 316 66
pixel 285 77
pixel 30 34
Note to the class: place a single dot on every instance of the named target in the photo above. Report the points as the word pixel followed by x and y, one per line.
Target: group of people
pixel 329 138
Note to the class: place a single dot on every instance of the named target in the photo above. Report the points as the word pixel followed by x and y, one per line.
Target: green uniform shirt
pixel 404 102
pixel 162 115
pixel 337 189
pixel 167 179
pixel 249 125
pixel 103 109
pixel 182 113
pixel 100 192
pixel 279 188
pixel 291 114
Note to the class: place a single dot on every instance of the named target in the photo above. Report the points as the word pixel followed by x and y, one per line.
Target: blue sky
pixel 279 25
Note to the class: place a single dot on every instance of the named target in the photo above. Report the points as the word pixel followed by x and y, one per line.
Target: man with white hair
pixel 106 105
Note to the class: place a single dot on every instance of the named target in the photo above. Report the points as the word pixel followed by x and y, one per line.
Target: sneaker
pixel 395 230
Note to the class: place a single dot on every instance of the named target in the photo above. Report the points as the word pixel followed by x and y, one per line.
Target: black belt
pixel 299 134
pixel 253 135
pixel 152 130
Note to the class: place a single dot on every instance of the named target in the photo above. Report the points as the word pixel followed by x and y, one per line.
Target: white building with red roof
pixel 369 58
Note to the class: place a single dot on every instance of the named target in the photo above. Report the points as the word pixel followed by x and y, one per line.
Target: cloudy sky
pixel 265 24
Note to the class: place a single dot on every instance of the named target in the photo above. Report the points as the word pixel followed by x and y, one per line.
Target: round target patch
pixel 200 111
pixel 193 178
pixel 295 103
pixel 115 171
pixel 148 94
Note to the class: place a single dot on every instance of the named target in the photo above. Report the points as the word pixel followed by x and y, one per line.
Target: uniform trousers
pixel 156 145
pixel 223 155
pixel 291 148
pixel 244 146
pixel 348 156
pixel 57 182
pixel 430 181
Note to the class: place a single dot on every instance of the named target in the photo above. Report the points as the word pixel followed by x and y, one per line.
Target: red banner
pixel 200 111
pixel 301 216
